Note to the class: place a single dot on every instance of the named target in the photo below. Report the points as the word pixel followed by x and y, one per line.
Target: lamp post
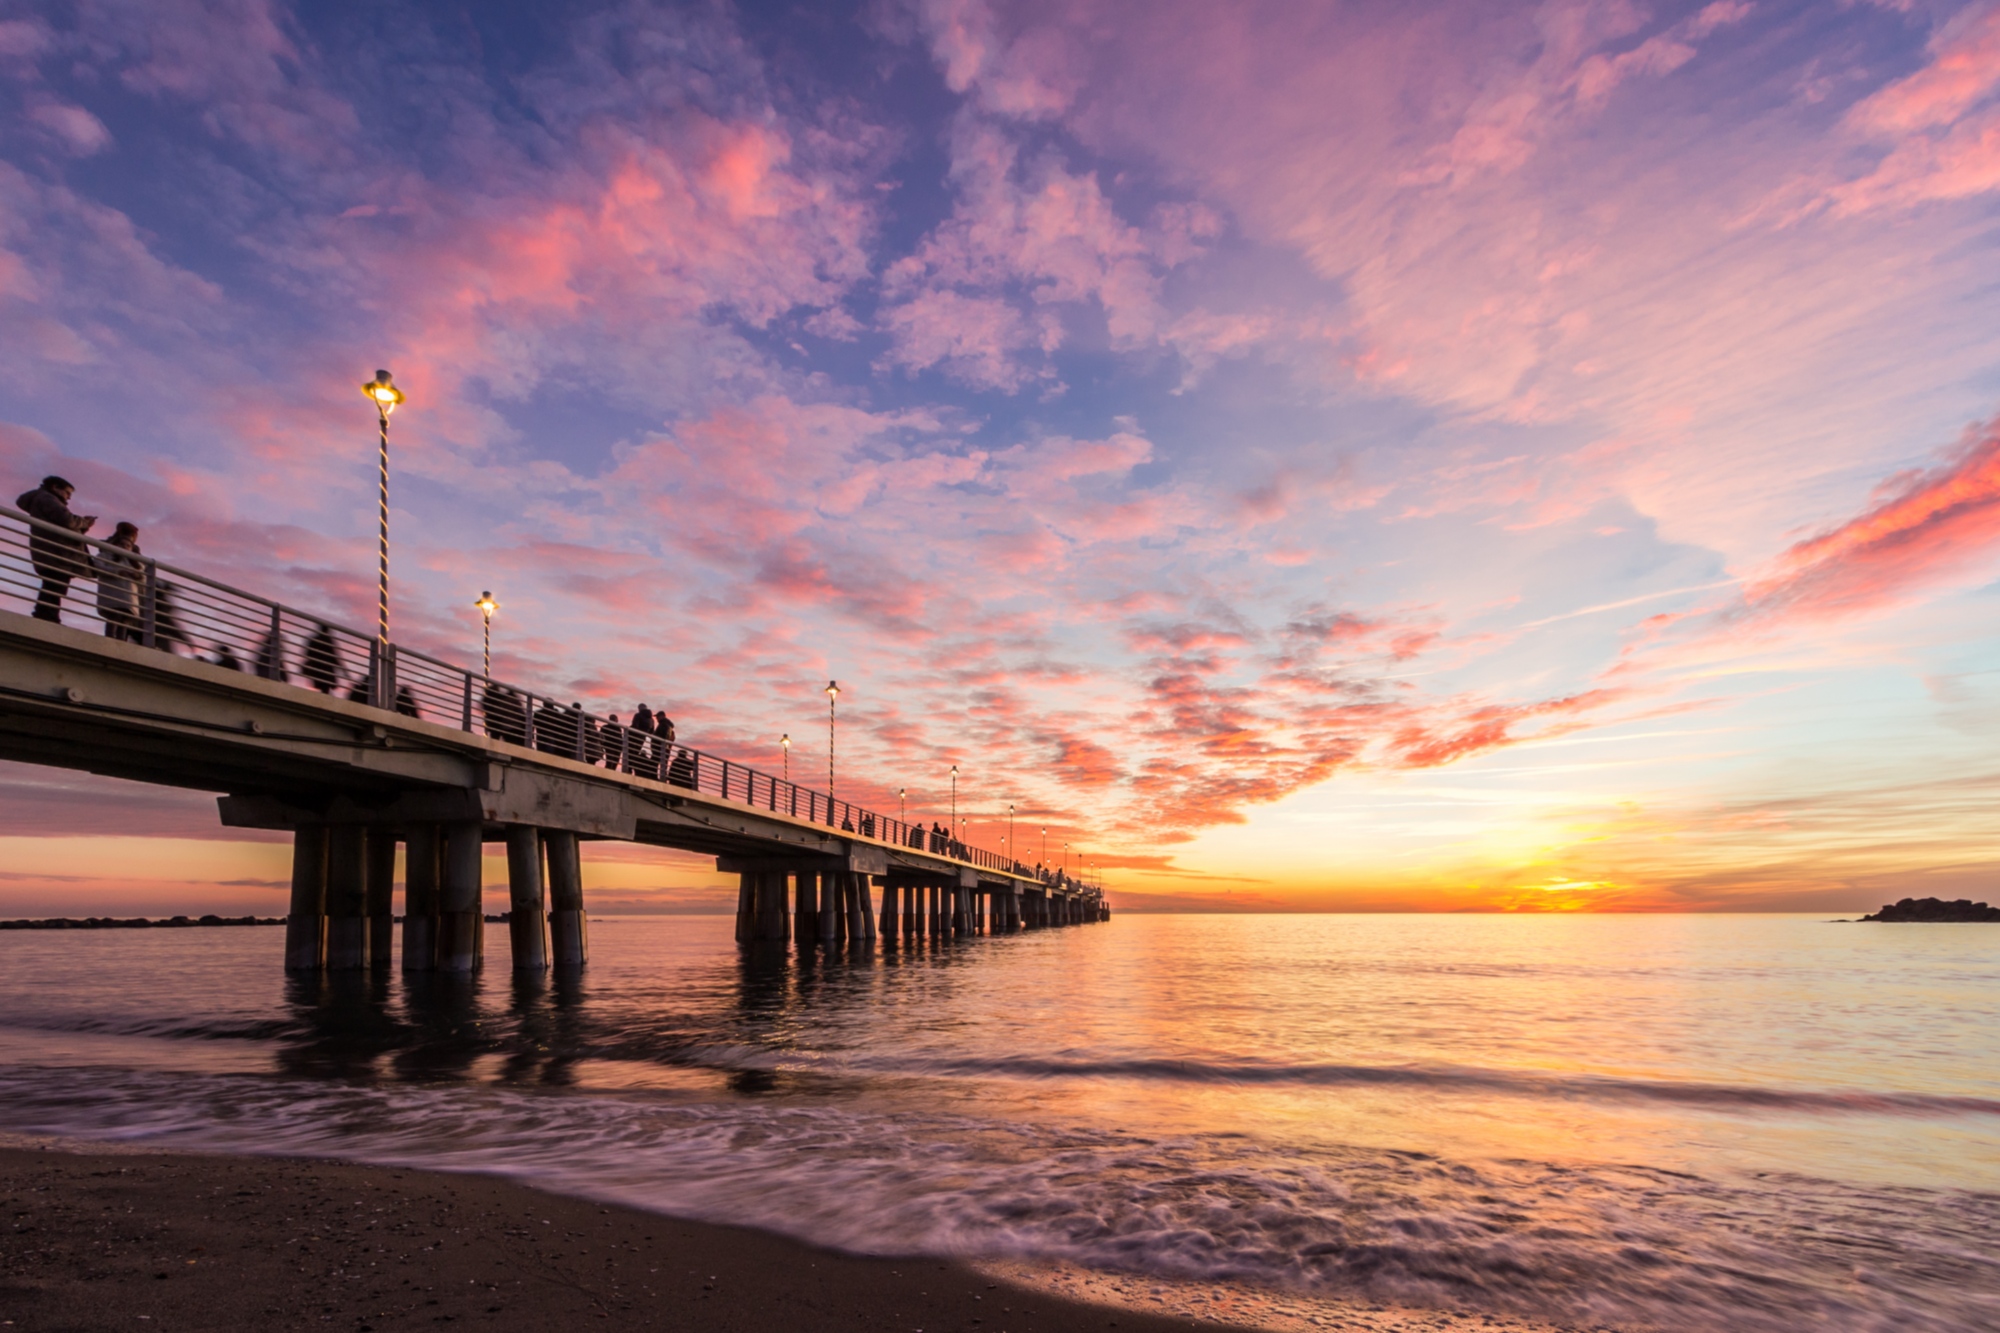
pixel 832 694
pixel 487 606
pixel 902 805
pixel 1045 844
pixel 1010 830
pixel 382 391
pixel 954 795
pixel 785 744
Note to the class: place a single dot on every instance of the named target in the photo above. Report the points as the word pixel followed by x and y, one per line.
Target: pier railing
pixel 146 601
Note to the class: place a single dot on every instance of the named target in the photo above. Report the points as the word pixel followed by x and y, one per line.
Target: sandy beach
pixel 118 1238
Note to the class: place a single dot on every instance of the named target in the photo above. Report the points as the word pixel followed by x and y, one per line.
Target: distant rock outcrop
pixel 1935 909
pixel 137 922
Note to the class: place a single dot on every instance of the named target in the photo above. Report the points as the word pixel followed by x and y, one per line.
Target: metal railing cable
pixel 146 601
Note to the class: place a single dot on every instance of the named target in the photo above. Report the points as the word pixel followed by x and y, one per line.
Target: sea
pixel 1630 1122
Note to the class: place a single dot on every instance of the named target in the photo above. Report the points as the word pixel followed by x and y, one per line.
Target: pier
pixel 357 746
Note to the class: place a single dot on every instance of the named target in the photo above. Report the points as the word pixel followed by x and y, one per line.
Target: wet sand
pixel 103 1238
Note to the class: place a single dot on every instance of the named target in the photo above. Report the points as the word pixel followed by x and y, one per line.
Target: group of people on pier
pixel 61 558
pixel 645 747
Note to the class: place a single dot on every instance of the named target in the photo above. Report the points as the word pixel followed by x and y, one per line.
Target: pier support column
pixel 832 919
pixel 346 897
pixel 569 930
pixel 805 908
pixel 859 927
pixel 381 894
pixel 773 923
pixel 305 925
pixel 423 859
pixel 746 906
pixel 527 899
pixel 912 911
pixel 461 916
pixel 891 922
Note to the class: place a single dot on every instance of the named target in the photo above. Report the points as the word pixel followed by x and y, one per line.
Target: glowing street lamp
pixel 832 694
pixel 487 606
pixel 785 744
pixel 1045 844
pixel 382 391
pixel 954 795
pixel 902 805
pixel 1010 828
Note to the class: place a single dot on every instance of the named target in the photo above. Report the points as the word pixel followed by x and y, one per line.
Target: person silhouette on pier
pixel 639 760
pixel 58 557
pixel 322 666
pixel 118 573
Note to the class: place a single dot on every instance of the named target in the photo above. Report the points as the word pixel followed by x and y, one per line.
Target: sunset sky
pixel 1307 455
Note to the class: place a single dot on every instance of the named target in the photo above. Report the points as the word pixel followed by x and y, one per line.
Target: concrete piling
pixel 773 922
pixel 346 897
pixel 461 920
pixel 832 920
pixel 860 929
pixel 423 859
pixel 746 906
pixel 891 923
pixel 381 896
pixel 305 925
pixel 805 908
pixel 569 929
pixel 527 899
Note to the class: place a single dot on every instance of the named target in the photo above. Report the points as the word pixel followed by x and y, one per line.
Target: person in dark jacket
pixel 681 772
pixel 506 720
pixel 58 556
pixel 552 736
pixel 321 665
pixel 640 760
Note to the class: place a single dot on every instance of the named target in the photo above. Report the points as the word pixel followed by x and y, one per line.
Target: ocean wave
pixel 1627 1246
pixel 1225 1071
pixel 388 1034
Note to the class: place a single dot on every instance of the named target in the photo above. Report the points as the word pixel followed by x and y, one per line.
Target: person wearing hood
pixel 58 557
pixel 118 571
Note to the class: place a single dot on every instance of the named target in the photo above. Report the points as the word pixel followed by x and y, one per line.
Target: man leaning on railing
pixel 57 558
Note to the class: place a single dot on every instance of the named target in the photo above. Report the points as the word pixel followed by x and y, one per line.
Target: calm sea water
pixel 1677 1122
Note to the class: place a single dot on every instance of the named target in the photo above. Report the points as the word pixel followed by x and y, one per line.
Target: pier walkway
pixel 352 746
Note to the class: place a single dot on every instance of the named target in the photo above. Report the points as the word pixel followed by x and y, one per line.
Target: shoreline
pixel 120 1236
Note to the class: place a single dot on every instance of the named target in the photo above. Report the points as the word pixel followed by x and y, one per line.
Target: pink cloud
pixel 1923 526
pixel 1963 70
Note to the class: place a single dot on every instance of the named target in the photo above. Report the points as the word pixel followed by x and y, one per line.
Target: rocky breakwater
pixel 1935 909
pixel 136 922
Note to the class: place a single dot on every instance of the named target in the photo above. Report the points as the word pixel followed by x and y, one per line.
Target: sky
pixel 1303 456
